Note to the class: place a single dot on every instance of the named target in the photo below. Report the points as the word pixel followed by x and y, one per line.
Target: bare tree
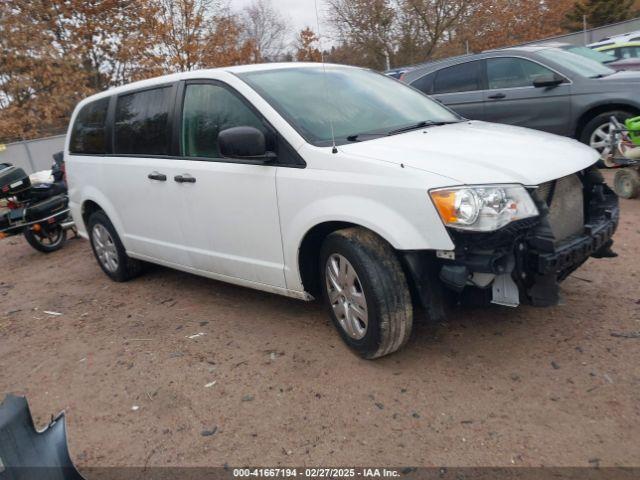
pixel 435 20
pixel 368 26
pixel 182 26
pixel 267 28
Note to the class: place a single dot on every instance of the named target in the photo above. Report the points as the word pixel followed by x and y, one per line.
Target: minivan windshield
pixel 578 64
pixel 361 104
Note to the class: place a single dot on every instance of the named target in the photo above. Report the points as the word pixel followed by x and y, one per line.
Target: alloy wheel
pixel 105 248
pixel 346 296
pixel 601 141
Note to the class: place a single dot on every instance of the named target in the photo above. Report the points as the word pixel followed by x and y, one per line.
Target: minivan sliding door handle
pixel 157 176
pixel 186 178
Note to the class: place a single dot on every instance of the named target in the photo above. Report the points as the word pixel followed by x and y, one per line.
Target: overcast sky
pixel 300 12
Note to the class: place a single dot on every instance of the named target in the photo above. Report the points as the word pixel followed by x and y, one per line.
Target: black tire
pixel 46 243
pixel 599 121
pixel 127 268
pixel 384 285
pixel 626 183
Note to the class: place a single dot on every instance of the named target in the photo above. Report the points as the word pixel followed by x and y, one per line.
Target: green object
pixel 633 125
pixel 622 47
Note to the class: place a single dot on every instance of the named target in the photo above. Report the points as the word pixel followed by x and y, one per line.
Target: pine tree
pixel 599 13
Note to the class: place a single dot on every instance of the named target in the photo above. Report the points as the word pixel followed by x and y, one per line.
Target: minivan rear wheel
pixel 109 251
pixel 595 133
pixel 366 292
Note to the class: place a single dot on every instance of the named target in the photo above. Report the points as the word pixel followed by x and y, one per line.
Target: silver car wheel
pixel 600 140
pixel 346 296
pixel 105 247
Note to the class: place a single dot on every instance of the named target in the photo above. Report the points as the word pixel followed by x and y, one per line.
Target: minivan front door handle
pixel 157 176
pixel 186 178
pixel 497 96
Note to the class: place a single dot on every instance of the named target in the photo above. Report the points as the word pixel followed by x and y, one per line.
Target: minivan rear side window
pixel 465 77
pixel 142 122
pixel 88 135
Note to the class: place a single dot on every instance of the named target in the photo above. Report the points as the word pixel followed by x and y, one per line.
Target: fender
pixel 90 193
pixel 365 212
pixel 613 102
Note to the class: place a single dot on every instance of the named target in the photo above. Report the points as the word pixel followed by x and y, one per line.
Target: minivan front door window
pixel 142 123
pixel 209 109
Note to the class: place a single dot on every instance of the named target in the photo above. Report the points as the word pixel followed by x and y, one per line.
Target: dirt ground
pixel 496 386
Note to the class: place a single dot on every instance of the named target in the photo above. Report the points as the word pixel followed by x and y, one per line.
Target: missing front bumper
pixel 523 263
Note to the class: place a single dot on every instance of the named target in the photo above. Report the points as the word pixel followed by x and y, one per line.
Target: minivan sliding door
pixel 141 171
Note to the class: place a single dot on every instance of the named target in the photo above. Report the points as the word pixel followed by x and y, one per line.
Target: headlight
pixel 483 208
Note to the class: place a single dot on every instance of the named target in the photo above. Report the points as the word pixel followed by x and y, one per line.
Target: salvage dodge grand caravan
pixel 342 184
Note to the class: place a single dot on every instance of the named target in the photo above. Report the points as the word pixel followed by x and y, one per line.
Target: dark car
pixel 539 87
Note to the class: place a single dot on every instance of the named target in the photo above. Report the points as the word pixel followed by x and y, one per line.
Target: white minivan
pixel 334 182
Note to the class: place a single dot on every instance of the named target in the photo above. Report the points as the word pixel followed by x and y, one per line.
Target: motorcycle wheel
pixel 46 241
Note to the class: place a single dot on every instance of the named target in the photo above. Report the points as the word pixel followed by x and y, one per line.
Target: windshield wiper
pixel 422 124
pixel 356 136
pixel 415 126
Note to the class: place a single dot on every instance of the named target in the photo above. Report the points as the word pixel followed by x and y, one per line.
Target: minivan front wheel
pixel 109 251
pixel 366 292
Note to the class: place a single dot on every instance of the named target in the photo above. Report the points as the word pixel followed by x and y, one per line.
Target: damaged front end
pixel 524 261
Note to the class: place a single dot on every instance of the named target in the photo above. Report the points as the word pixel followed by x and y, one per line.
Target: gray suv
pixel 539 87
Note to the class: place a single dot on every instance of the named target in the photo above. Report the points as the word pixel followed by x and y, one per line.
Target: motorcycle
pixel 39 211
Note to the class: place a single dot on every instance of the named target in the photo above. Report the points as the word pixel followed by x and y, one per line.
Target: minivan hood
pixel 479 152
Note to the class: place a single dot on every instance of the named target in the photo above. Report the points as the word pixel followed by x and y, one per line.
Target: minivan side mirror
pixel 244 143
pixel 548 81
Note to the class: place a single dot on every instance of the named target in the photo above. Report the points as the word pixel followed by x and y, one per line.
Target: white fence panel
pixel 32 155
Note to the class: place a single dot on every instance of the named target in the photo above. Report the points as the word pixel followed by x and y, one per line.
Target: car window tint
pixel 616 52
pixel 629 52
pixel 209 109
pixel 142 122
pixel 513 72
pixel 425 84
pixel 88 135
pixel 459 78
